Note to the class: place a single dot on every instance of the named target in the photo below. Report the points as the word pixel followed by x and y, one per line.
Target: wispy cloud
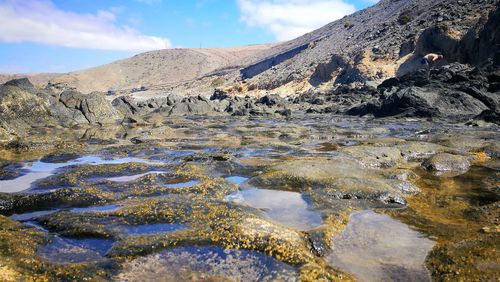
pixel 41 21
pixel 288 19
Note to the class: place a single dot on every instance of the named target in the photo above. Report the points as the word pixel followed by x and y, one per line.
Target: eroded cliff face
pixel 374 44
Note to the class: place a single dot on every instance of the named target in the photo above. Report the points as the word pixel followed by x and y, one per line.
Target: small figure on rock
pixel 428 60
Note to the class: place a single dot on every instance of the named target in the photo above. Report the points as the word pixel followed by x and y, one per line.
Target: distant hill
pixel 158 67
pixel 35 78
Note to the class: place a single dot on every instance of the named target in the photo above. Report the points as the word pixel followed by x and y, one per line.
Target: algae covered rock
pixel 414 150
pixel 445 162
pixel 372 156
pixel 335 178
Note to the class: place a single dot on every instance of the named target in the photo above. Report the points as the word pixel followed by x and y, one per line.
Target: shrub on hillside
pixel 404 17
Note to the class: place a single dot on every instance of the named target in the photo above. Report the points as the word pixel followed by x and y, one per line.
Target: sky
pixel 62 36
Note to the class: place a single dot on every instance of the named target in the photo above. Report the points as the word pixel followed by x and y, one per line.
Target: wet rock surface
pixel 268 195
pixel 447 163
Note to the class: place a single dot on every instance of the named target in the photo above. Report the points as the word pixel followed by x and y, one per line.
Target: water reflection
pixel 286 208
pixel 38 170
pixel 375 247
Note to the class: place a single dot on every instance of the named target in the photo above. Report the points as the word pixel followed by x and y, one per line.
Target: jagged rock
pixel 21 108
pixel 270 100
pixel 23 83
pixel 192 106
pixel 454 91
pixel 94 106
pixel 126 105
pixel 219 95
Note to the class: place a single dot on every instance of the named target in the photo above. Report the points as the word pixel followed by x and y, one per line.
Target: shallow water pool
pixel 286 208
pixel 375 247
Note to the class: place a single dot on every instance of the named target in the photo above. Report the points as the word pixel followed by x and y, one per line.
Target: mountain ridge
pixel 368 46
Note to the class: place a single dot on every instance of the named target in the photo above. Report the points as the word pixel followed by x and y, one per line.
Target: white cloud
pixel 288 19
pixel 41 21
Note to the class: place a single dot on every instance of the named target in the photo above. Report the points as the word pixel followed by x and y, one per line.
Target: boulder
pixel 415 101
pixel 270 100
pixel 94 106
pixel 219 95
pixel 21 108
pixel 192 106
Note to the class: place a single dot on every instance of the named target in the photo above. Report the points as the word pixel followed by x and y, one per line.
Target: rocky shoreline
pixel 456 92
pixel 144 191
pixel 295 188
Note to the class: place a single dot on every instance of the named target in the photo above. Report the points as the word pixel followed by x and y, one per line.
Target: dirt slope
pixel 157 68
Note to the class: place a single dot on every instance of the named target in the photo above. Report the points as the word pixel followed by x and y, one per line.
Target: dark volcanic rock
pixel 219 95
pixel 489 116
pixel 454 91
pixel 59 157
pixel 94 106
pixel 23 83
pixel 270 100
pixel 23 106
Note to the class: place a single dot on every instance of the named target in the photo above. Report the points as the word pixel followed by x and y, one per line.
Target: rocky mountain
pixel 371 45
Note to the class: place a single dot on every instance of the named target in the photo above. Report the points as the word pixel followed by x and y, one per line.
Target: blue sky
pixel 61 36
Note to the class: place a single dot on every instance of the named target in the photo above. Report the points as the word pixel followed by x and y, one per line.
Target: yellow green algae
pixel 19 260
pixel 446 209
pixel 456 213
